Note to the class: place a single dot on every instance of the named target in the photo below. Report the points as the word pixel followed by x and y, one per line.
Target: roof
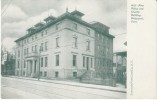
pixel 66 15
pixel 49 18
pixel 39 24
pixel 77 13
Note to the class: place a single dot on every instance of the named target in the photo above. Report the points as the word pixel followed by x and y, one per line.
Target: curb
pixel 67 84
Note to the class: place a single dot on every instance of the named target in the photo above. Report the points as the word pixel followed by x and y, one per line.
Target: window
pixel 57 42
pixel 35 48
pixel 18 53
pixel 56 74
pixel 42 34
pixel 74 60
pixel 87 63
pixel 18 64
pixel 41 73
pixel 57 26
pixel 36 36
pixel 83 61
pixel 42 62
pixel 75 42
pixel 23 73
pixel 88 31
pixel 24 64
pixel 75 26
pixel 27 40
pixel 41 49
pixel 27 51
pixel 45 45
pixel 88 45
pixel 32 48
pixel 32 38
pixel 74 74
pixel 57 60
pixel 91 62
pixel 24 51
pixel 46 60
pixel 46 32
pixel 45 74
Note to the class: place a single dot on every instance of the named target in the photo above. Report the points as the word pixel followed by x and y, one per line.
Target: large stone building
pixel 65 47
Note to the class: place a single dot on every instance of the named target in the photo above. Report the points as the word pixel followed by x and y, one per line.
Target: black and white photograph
pixel 63 49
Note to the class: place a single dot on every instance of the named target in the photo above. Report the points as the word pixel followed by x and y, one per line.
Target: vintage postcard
pixel 78 49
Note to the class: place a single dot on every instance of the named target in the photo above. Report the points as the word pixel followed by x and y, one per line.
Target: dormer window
pixel 88 31
pixel 57 26
pixel 75 26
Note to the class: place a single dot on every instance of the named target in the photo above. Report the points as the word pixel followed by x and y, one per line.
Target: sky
pixel 19 15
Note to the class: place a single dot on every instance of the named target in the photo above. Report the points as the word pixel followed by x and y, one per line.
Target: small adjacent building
pixel 65 47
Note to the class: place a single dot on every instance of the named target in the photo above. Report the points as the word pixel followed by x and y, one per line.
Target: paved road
pixel 25 89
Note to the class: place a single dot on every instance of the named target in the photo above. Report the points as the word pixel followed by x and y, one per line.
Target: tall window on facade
pixel 45 74
pixel 32 48
pixel 74 60
pixel 42 62
pixel 18 64
pixel 57 26
pixel 46 32
pixel 36 36
pixel 57 60
pixel 74 74
pixel 46 46
pixel 24 51
pixel 35 48
pixel 46 61
pixel 27 51
pixel 91 62
pixel 88 45
pixel 57 42
pixel 41 73
pixel 75 42
pixel 75 26
pixel 24 64
pixel 18 53
pixel 56 74
pixel 42 34
pixel 87 63
pixel 83 61
pixel 41 48
pixel 88 31
pixel 32 38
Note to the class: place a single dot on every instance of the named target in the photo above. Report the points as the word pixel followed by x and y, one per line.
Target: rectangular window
pixel 32 38
pixel 32 48
pixel 57 60
pixel 27 51
pixel 75 26
pixel 83 61
pixel 24 64
pixel 75 42
pixel 45 45
pixel 18 53
pixel 57 26
pixel 74 60
pixel 35 48
pixel 88 31
pixel 41 73
pixel 57 42
pixel 45 74
pixel 46 60
pixel 41 49
pixel 88 45
pixel 42 62
pixel 91 62
pixel 42 34
pixel 36 36
pixel 56 74
pixel 18 64
pixel 23 73
pixel 74 74
pixel 46 32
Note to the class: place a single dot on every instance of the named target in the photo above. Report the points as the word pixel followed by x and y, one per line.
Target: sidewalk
pixel 109 88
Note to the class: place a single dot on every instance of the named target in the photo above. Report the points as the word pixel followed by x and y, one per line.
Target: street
pixel 14 88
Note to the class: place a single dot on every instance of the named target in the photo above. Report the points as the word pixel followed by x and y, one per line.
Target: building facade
pixel 62 47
